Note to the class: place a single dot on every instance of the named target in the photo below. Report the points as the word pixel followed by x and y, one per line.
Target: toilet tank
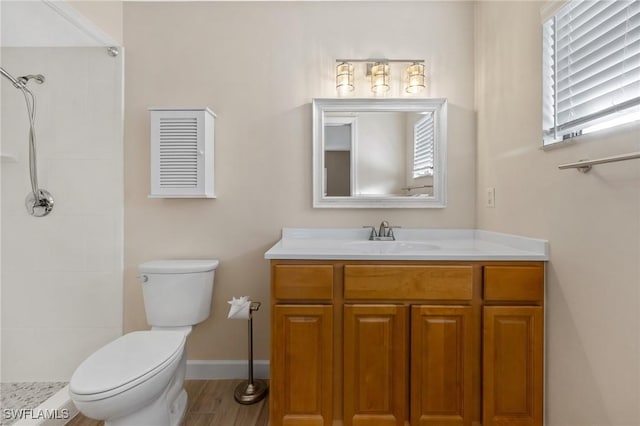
pixel 177 292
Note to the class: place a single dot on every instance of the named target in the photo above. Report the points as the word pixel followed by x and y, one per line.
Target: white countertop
pixel 410 244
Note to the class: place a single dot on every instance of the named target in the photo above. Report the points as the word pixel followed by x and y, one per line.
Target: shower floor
pixel 22 396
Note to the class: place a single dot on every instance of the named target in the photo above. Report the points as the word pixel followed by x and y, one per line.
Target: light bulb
pixel 344 78
pixel 415 78
pixel 380 78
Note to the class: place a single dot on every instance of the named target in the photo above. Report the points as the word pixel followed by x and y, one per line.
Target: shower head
pixel 39 78
pixel 21 82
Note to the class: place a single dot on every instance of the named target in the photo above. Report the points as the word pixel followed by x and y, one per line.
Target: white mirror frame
pixel 437 106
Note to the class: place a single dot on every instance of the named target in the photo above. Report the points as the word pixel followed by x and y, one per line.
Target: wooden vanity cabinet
pixel 302 336
pixel 302 365
pixel 382 343
pixel 375 364
pixel 442 357
pixel 513 348
pixel 433 338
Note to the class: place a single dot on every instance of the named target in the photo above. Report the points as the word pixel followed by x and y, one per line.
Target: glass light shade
pixel 415 78
pixel 344 78
pixel 380 78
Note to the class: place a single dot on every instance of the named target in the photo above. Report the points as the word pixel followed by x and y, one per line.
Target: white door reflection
pixel 378 153
pixel 339 156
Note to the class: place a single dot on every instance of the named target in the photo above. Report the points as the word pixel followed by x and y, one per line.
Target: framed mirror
pixel 379 153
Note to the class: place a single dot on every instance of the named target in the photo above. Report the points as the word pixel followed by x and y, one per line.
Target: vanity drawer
pixel 408 282
pixel 303 282
pixel 514 283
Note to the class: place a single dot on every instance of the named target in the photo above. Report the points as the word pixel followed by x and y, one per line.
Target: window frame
pixel 620 112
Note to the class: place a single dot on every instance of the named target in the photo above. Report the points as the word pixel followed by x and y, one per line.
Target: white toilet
pixel 137 380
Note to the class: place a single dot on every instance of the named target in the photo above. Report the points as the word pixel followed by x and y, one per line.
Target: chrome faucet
pixel 384 233
pixel 384 229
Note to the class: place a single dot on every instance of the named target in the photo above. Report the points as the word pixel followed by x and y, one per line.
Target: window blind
pixel 591 66
pixel 423 138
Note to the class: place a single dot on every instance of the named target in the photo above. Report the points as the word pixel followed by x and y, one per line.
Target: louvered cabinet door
pixel 375 365
pixel 182 148
pixel 512 365
pixel 301 365
pixel 441 365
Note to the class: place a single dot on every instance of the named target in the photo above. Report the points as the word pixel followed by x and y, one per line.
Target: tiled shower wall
pixel 62 274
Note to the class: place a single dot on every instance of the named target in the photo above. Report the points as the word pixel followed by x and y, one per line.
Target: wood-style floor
pixel 211 403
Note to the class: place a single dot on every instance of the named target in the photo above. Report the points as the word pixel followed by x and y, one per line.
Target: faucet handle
pixel 391 228
pixel 373 233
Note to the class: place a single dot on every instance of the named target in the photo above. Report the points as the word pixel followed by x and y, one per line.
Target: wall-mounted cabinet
pixel 425 342
pixel 182 153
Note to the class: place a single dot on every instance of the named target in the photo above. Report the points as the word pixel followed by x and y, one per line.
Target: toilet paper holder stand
pixel 252 390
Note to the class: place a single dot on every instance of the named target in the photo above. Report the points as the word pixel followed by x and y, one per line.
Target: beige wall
pixel 258 66
pixel 592 223
pixel 106 14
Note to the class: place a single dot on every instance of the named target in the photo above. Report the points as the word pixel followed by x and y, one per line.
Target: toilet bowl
pixel 138 379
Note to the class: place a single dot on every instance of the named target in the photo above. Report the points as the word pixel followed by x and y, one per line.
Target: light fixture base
pixel 369 66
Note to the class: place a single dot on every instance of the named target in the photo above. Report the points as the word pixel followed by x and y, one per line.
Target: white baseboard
pixel 226 369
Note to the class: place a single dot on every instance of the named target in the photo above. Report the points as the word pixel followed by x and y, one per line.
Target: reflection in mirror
pixel 379 152
pixel 339 169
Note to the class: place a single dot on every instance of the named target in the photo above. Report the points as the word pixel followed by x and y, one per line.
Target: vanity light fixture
pixel 378 71
pixel 344 78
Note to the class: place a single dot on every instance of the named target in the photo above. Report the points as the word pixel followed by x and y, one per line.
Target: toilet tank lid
pixel 181 266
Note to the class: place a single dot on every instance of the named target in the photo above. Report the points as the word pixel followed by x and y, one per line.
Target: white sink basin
pixel 369 246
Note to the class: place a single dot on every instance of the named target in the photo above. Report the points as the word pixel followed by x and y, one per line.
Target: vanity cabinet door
pixel 375 365
pixel 302 365
pixel 441 365
pixel 512 365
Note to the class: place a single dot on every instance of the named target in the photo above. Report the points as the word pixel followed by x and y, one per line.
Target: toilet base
pixel 155 414
pixel 167 410
pixel 179 408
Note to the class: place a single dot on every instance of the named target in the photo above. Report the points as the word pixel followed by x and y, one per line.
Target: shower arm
pixel 20 83
pixel 11 78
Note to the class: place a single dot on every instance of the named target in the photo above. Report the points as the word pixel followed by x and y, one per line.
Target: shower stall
pixel 61 273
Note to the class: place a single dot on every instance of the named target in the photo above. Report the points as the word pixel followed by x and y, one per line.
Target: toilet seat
pixel 125 363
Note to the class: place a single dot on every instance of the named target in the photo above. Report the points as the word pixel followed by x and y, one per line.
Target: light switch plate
pixel 490 201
